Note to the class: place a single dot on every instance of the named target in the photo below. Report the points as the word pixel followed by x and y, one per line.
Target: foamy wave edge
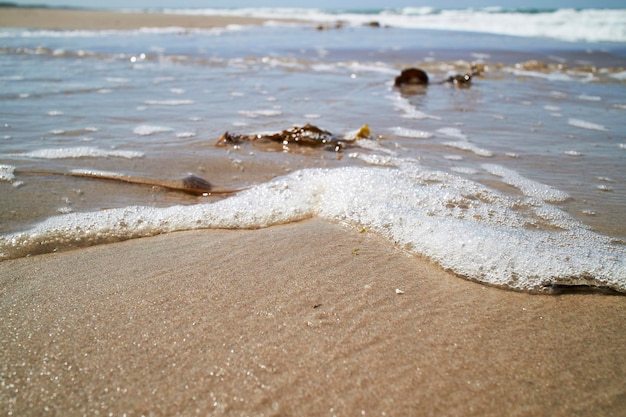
pixel 428 213
pixel 589 25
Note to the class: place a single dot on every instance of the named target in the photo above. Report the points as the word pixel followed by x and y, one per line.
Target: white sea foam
pixel 97 173
pixel 147 130
pixel 117 80
pixel 409 110
pixel 169 102
pixel 470 147
pixel 411 133
pixel 619 75
pixel 185 135
pixel 589 98
pixel 527 186
pixel 465 227
pixel 260 113
pixel 7 173
pixel 586 125
pixel 80 152
pixel 566 24
pixel 591 25
pixel 552 76
pixel 173 30
pixel 452 132
pixel 464 170
pixel 375 67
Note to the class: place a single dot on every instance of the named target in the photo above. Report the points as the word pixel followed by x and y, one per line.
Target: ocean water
pixel 517 180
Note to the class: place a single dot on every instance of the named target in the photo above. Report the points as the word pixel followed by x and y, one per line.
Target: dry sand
pixel 101 20
pixel 294 320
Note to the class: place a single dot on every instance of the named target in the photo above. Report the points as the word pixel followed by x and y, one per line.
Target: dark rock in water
pixel 373 24
pixel 411 76
pixel 326 26
pixel 307 135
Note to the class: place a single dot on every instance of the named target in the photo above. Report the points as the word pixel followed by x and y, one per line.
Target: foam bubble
pixel 374 159
pixel 411 133
pixel 80 152
pixel 528 187
pixel 464 170
pixel 168 102
pixel 260 113
pixel 117 80
pixel 619 75
pixel 97 173
pixel 452 132
pixel 470 147
pixel 589 98
pixel 7 173
pixel 552 76
pixel 586 125
pixel 147 130
pixel 409 110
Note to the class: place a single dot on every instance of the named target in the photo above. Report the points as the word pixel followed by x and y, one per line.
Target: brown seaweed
pixel 307 136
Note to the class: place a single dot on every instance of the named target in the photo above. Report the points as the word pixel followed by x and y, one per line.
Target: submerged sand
pixel 33 18
pixel 301 319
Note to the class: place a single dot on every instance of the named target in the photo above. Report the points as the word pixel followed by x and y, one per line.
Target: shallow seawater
pixel 531 153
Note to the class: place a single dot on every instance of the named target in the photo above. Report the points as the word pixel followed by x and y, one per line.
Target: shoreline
pixel 80 19
pixel 297 319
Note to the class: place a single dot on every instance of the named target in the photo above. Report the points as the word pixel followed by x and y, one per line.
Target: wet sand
pixel 33 18
pixel 301 319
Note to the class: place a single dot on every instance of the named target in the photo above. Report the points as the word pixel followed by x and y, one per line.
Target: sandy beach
pixel 34 18
pixel 303 319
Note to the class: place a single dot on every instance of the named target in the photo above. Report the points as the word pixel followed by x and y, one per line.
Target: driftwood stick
pixel 190 184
